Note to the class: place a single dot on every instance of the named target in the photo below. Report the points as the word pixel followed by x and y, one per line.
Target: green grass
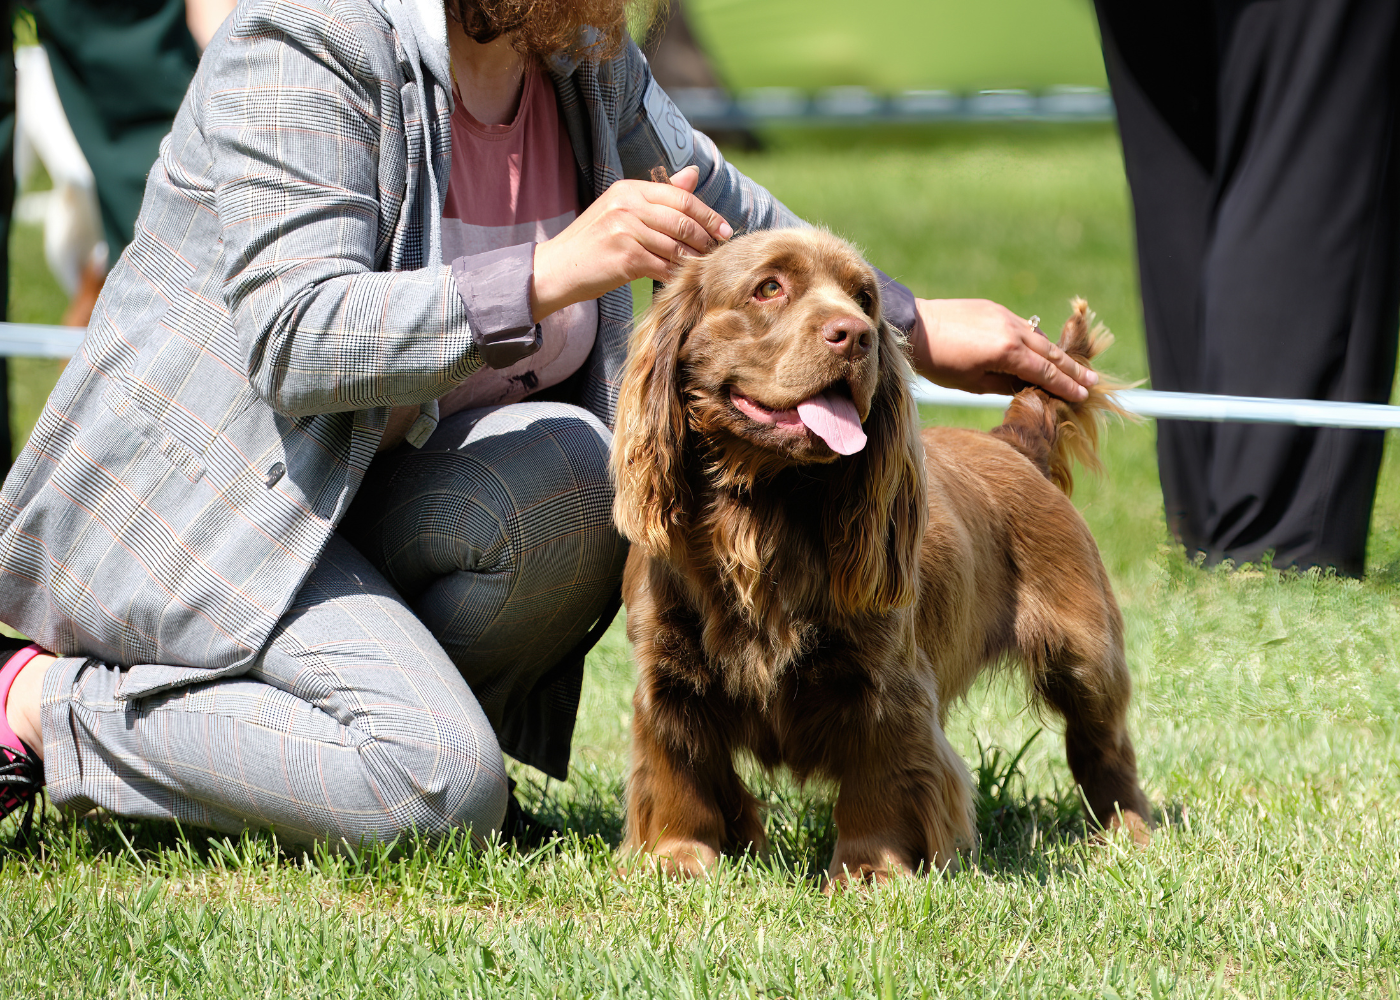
pixel 35 297
pixel 891 45
pixel 1266 716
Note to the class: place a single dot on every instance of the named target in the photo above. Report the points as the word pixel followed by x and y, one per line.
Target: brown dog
pixel 813 583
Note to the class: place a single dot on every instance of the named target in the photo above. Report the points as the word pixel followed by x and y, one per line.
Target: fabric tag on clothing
pixel 677 137
pixel 424 426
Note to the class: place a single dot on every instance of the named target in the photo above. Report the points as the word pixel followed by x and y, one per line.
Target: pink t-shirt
pixel 512 184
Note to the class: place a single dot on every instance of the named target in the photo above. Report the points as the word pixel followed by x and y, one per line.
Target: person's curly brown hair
pixel 540 28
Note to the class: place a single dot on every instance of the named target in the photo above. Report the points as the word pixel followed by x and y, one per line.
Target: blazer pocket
pixel 130 413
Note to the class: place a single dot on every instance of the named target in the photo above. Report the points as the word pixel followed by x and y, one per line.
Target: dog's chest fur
pixel 762 610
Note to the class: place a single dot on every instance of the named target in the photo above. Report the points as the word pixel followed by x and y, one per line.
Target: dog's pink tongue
pixel 834 419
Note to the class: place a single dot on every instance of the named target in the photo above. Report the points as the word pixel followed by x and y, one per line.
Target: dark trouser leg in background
pixel 7 201
pixel 1161 65
pixel 1259 144
pixel 121 68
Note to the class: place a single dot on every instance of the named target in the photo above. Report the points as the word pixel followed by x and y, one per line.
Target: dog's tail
pixel 1054 433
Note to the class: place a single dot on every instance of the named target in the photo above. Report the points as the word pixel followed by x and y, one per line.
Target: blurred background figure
pixel 91 102
pixel 679 62
pixel 1259 142
pixel 74 244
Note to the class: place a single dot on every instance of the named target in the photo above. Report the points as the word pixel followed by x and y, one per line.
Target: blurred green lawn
pixel 890 45
pixel 1266 715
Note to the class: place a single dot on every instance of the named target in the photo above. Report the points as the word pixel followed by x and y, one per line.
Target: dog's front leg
pixel 905 804
pixel 671 811
pixel 685 801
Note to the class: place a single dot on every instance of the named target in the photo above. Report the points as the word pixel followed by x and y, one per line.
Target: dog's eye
pixel 866 301
pixel 770 289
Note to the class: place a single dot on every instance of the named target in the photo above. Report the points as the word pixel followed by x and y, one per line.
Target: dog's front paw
pixel 1135 826
pixel 865 865
pixel 681 858
pixel 862 876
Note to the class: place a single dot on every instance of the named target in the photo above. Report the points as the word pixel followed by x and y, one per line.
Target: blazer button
pixel 275 473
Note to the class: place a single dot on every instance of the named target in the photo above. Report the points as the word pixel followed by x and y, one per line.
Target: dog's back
pixel 1029 583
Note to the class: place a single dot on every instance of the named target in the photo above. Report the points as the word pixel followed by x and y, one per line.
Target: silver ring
pixel 1034 321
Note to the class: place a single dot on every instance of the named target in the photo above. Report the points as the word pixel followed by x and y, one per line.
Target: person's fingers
pixel 635 214
pixel 1030 365
pixel 1041 345
pixel 686 178
pixel 679 227
pixel 658 251
pixel 677 197
pixel 655 268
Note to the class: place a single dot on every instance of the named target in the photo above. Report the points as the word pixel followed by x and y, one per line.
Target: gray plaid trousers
pixel 373 708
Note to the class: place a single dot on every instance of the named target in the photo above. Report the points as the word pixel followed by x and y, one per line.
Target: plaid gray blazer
pixel 283 290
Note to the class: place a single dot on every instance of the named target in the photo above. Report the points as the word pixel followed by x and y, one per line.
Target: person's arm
pixel 981 346
pixel 295 113
pixel 203 18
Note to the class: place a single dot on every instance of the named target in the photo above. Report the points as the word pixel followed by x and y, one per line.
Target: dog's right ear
pixel 651 498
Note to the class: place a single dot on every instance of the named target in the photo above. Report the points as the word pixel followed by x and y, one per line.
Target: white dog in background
pixel 73 241
pixel 74 247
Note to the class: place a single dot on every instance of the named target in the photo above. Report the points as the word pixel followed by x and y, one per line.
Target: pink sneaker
pixel 21 772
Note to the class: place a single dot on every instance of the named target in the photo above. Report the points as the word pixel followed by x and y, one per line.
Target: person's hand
pixel 637 229
pixel 980 346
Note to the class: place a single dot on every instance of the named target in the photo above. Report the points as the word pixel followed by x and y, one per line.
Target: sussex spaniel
pixel 814 582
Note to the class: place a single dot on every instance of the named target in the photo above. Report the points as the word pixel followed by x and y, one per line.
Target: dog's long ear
pixel 878 510
pixel 651 498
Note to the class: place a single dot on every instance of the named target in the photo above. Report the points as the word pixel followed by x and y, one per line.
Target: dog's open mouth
pixel 830 415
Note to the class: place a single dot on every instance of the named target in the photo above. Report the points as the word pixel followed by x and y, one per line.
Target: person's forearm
pixel 203 18
pixel 352 340
pixel 981 346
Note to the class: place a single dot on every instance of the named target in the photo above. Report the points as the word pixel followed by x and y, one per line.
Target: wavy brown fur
pixel 819 611
pixel 1052 432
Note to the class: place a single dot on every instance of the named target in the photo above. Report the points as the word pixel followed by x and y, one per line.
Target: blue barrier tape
pixel 36 340
pixel 1200 406
pixel 708 108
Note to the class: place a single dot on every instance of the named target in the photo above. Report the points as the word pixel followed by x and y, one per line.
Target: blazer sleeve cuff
pixel 495 291
pixel 897 302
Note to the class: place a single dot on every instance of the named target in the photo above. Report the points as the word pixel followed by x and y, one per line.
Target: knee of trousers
pixel 557 460
pixel 433 785
pixel 584 440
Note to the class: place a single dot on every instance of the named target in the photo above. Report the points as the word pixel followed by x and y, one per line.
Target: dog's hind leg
pixel 1077 666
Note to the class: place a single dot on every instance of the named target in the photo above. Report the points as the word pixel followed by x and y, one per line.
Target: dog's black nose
pixel 848 336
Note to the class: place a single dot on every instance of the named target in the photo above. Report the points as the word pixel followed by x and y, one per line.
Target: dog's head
pixel 773 352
